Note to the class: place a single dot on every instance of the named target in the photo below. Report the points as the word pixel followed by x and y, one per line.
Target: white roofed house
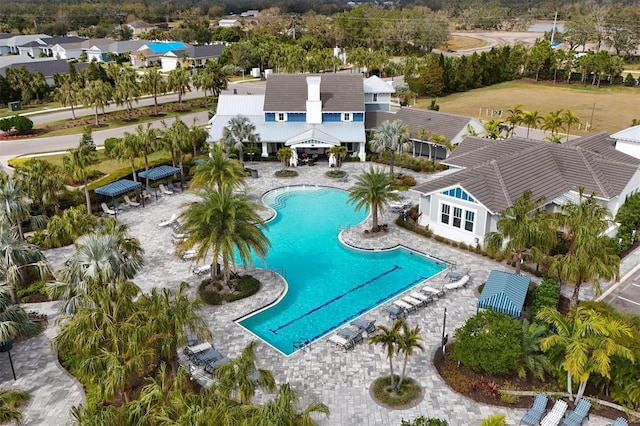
pixel 628 141
pixel 309 113
pixel 486 176
pixel 377 94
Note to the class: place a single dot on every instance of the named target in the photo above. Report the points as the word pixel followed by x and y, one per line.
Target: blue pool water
pixel 329 284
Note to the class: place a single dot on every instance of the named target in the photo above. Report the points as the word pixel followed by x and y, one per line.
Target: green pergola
pixel 118 187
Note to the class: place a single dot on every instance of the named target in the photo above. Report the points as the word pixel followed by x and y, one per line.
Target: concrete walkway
pixel 320 371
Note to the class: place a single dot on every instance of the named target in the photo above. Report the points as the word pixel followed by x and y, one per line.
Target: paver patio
pixel 318 372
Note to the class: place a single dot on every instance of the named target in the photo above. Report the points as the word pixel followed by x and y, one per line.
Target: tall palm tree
pixel 198 135
pixel 284 410
pixel 553 122
pixel 96 94
pixel 43 182
pixel 569 119
pixel 514 119
pixel 127 88
pixel 218 170
pixel 101 259
pixel 67 92
pixel 226 226
pixel 408 341
pixel 238 131
pixel 153 82
pixel 531 119
pixel 284 155
pixel 128 148
pixel 179 82
pixel 496 129
pixel 373 189
pixel 524 227
pixel 391 137
pixel 590 255
pixel 387 337
pixel 147 139
pixel 240 377
pixel 177 140
pixel 588 341
pixel 77 165
pixel 16 258
pixel 14 206
pixel 339 152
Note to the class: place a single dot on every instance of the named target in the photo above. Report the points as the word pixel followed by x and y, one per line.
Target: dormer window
pixel 281 116
pixel 347 116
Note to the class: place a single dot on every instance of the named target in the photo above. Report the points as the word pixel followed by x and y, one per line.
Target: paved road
pixel 627 298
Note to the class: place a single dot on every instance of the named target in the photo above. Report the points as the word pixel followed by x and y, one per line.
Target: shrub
pixel 489 341
pixel 508 398
pixel 285 173
pixel 629 81
pixel 408 392
pixel 547 295
pixel 36 287
pixel 247 286
pixel 109 145
pixel 423 421
pixel 335 173
pixel 22 124
pixel 6 124
pixel 454 377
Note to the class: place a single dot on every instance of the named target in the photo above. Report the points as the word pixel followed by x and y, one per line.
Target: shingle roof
pixel 47 68
pixel 496 173
pixel 52 41
pixel 338 92
pixel 448 125
pixel 205 51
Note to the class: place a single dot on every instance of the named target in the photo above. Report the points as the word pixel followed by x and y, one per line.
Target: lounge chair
pixel 425 298
pixel 417 303
pixel 408 307
pixel 347 333
pixel 189 254
pixel 130 202
pixel 395 312
pixel 173 188
pixel 169 221
pixel 202 270
pixel 164 190
pixel 192 350
pixel 556 414
pixel 432 291
pixel 619 422
pixel 344 343
pixel 151 191
pixel 364 326
pixel 462 282
pixel 205 357
pixel 536 411
pixel 107 210
pixel 456 275
pixel 579 414
pixel 192 339
pixel 209 367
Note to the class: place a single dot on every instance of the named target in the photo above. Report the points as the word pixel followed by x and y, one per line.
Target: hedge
pixel 547 295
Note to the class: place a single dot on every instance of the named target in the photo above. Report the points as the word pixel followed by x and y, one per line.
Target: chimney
pixel 314 104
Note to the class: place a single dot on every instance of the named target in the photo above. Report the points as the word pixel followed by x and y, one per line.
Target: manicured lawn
pixel 457 42
pixel 615 107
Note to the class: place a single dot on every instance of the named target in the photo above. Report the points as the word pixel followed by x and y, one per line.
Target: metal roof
pixel 159 172
pixel 247 105
pixel 118 187
pixel 504 292
pixel 630 134
pixel 375 84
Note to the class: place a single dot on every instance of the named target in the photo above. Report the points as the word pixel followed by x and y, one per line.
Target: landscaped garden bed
pixel 213 292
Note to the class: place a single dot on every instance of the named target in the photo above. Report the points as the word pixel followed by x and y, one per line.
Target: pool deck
pixel 320 371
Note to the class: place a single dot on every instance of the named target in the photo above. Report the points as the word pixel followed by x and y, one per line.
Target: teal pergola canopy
pixel 504 292
pixel 116 188
pixel 159 172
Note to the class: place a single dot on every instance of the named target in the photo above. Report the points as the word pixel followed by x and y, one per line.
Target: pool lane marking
pixel 395 268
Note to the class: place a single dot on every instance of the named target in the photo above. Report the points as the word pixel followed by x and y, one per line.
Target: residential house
pixel 72 49
pixel 10 43
pixel 191 57
pixel 153 52
pixel 103 52
pixel 377 94
pixel 464 203
pixel 228 23
pixel 139 27
pixel 306 112
pixel 628 141
pixel 422 124
pixel 251 14
pixel 47 66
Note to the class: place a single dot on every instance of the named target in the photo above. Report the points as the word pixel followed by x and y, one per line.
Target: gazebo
pixel 157 173
pixel 504 292
pixel 118 187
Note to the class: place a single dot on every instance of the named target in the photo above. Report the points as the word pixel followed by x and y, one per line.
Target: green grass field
pixel 613 108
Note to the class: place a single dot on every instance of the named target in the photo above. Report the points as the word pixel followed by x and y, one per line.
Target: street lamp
pixel 445 337
pixel 6 347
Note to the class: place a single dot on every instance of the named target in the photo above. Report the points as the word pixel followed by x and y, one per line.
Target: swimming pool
pixel 329 284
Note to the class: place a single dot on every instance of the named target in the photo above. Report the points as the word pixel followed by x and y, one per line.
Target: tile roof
pixel 496 173
pixel 448 125
pixel 338 92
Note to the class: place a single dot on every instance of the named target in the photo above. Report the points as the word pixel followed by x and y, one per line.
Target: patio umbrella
pixel 157 173
pixel 116 188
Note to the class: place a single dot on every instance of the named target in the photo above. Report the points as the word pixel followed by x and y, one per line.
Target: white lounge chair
pixel 554 416
pixel 164 190
pixel 341 341
pixel 413 301
pixel 425 298
pixel 107 210
pixel 192 350
pixel 168 221
pixel 189 254
pixel 130 202
pixel 462 282
pixel 432 291
pixel 404 305
pixel 201 270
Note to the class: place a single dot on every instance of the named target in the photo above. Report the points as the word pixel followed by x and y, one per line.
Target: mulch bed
pixel 485 388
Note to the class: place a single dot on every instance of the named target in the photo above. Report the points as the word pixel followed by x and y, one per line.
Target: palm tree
pixel 531 119
pixel 218 170
pixel 495 129
pixel 154 84
pixel 408 340
pixel 238 131
pixel 241 377
pixel 127 88
pixel 569 119
pixel 16 258
pixel 391 137
pixel 14 207
pixel 516 115
pixel 590 255
pixel 524 227
pixel 284 410
pixel 15 323
pixel 10 401
pixel 373 189
pixel 66 228
pixel 339 152
pixel 227 226
pixel 588 341
pixel 553 122
pixel 77 165
pixel 101 259
pixel 284 155
pixel 147 139
pixel 197 135
pixel 43 182
pixel 388 339
pixel 96 94
pixel 67 92
pixel 178 81
pixel 533 360
pixel 127 148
